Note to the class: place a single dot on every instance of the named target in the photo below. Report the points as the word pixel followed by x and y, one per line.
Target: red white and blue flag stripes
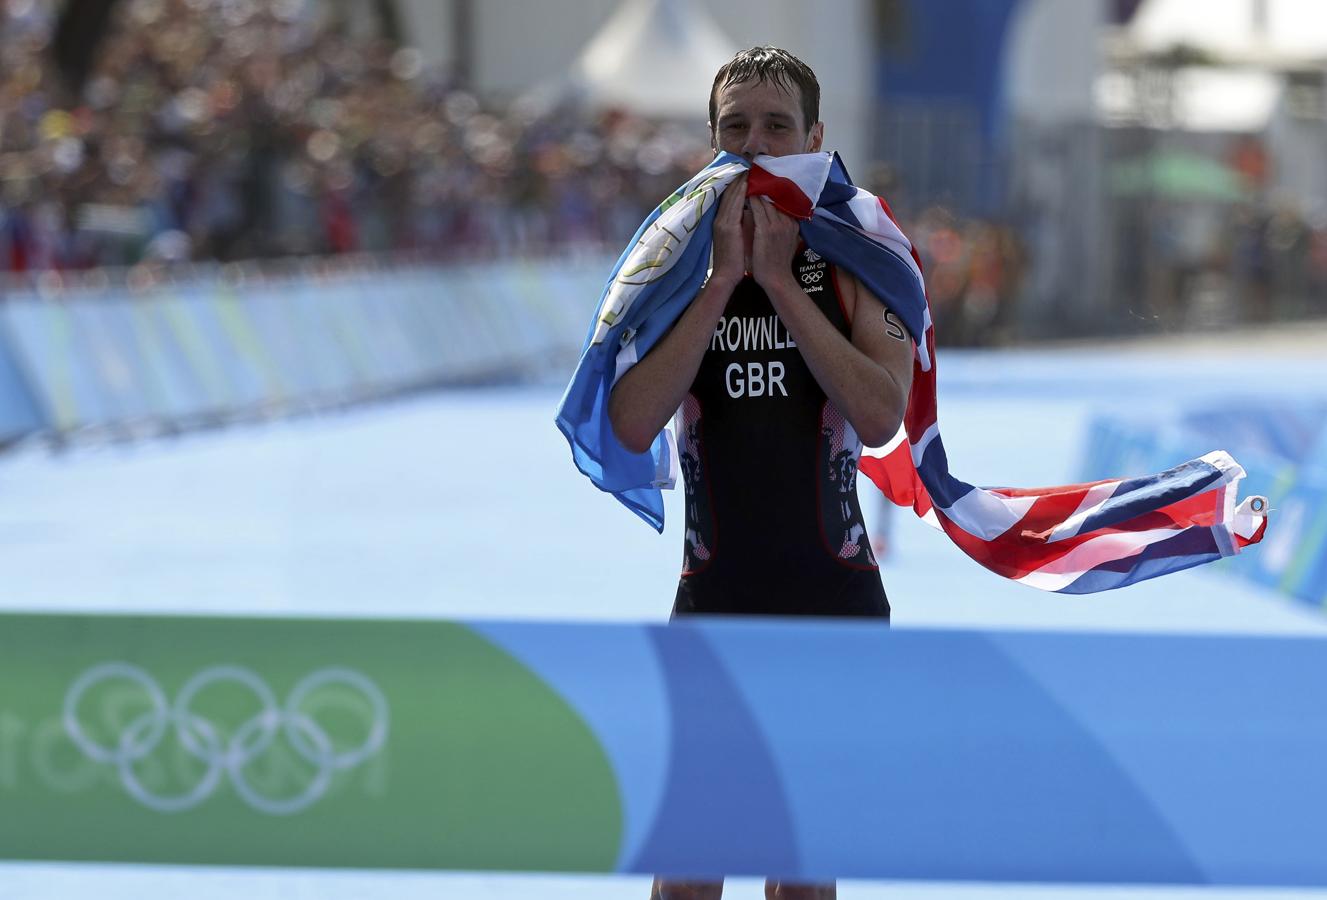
pixel 1073 538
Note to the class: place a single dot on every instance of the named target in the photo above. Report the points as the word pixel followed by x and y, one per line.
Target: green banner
pixel 292 742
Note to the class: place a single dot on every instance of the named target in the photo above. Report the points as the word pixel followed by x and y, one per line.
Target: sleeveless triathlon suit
pixel 773 525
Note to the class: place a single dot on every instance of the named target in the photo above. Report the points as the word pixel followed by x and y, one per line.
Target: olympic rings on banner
pixel 204 741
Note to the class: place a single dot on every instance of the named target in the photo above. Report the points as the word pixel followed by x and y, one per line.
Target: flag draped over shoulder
pixel 1073 538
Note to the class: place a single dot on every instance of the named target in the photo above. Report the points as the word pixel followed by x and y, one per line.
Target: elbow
pixel 628 433
pixel 883 418
pixel 635 443
pixel 880 428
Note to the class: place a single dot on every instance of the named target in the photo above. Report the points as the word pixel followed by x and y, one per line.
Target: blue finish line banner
pixel 807 750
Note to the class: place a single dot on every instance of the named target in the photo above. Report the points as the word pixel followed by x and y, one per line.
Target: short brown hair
pixel 770 64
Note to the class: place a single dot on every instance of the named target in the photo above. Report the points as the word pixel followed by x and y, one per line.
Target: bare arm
pixel 868 377
pixel 645 398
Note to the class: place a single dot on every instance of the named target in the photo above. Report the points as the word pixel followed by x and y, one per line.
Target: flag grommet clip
pixel 1257 504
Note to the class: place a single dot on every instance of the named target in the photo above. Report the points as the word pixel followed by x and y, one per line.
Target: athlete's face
pixel 762 117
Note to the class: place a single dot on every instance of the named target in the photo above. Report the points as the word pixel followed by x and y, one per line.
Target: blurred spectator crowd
pixel 238 129
pixel 974 271
pixel 250 129
pixel 1254 262
pixel 219 130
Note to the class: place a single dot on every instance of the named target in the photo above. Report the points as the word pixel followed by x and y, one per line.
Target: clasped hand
pixel 773 244
pixel 771 236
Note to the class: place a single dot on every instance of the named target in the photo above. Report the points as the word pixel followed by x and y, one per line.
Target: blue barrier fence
pixel 86 352
pixel 1283 448
pixel 18 410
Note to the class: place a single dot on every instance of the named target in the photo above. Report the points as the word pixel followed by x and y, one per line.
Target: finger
pixel 775 214
pixel 726 202
pixel 760 211
pixel 730 204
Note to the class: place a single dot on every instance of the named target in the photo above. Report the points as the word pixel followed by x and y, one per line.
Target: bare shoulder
pixel 862 306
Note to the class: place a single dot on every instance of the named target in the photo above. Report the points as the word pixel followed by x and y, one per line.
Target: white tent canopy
pixel 1251 31
pixel 1051 59
pixel 654 57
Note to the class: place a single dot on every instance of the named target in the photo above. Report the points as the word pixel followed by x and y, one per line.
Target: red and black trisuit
pixel 773 525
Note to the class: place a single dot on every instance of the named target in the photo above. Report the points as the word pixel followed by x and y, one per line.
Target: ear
pixel 815 138
pixel 714 139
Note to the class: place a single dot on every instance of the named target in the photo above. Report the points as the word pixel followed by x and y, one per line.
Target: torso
pixel 773 525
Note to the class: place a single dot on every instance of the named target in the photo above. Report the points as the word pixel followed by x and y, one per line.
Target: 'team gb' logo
pixel 216 754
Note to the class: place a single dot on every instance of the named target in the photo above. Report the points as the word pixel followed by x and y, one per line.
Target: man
pixel 779 369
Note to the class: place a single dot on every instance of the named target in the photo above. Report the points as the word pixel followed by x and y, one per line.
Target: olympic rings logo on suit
pixel 202 740
pixel 812 277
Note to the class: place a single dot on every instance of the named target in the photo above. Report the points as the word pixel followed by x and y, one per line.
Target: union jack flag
pixel 1075 538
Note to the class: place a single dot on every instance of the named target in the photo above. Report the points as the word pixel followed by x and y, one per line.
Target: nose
pixel 754 145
